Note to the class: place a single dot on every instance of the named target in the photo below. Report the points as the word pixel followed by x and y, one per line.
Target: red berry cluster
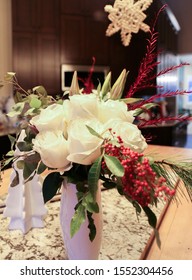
pixel 139 183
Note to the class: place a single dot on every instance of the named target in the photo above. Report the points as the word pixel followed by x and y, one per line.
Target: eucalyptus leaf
pixel 20 164
pixel 24 146
pixel 41 90
pixel 28 169
pixel 12 140
pixel 51 184
pixel 9 76
pixel 10 153
pixel 114 165
pixel 41 168
pixel 15 180
pixel 8 161
pixel 77 220
pixel 35 103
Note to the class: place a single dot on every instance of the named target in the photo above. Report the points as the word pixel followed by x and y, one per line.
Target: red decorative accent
pixel 88 84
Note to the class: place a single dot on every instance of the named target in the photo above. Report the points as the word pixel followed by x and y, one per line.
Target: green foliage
pixel 77 219
pixel 144 108
pixel 152 220
pixel 93 177
pixel 114 165
pixel 93 132
pixel 91 226
pixel 89 203
pixel 51 184
pixel 15 180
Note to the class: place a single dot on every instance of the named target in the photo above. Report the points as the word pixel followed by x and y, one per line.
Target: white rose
pixel 129 133
pixel 84 147
pixel 53 149
pixel 114 109
pixel 83 106
pixel 52 117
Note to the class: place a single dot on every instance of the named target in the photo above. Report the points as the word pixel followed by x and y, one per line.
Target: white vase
pixel 79 247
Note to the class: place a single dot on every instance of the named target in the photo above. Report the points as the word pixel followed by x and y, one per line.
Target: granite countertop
pixel 124 237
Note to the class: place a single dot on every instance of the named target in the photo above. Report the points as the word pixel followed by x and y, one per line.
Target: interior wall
pixel 5 47
pixel 182 10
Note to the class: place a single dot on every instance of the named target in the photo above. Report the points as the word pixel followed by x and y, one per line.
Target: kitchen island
pixel 124 237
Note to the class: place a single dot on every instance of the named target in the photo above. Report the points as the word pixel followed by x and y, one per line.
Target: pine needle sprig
pixel 174 171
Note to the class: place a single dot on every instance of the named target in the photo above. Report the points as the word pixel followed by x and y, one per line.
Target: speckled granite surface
pixel 124 238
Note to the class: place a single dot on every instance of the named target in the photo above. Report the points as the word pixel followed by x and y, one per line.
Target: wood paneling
pixel 48 33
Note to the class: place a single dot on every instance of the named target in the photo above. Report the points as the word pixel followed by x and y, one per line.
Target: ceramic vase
pixel 79 247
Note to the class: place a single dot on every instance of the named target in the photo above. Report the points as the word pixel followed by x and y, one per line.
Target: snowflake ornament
pixel 127 16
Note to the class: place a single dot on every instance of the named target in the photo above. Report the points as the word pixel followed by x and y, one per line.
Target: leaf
pixel 93 132
pixel 91 226
pixel 30 165
pixel 41 168
pixel 152 219
pixel 12 140
pixel 157 237
pixel 29 168
pixel 10 153
pixel 130 100
pixel 41 90
pixel 20 164
pixel 114 165
pixel 7 161
pixel 35 103
pixel 9 76
pixel 109 185
pixel 136 206
pixel 77 220
pixel 24 146
pixel 51 184
pixel 93 177
pixel 15 180
pixel 144 108
pixel 89 204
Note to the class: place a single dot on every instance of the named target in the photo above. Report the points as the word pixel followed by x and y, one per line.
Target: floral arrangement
pixel 91 135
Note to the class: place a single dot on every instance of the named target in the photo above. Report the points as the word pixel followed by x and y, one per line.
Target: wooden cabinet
pixel 83 7
pixel 81 39
pixel 36 15
pixel 72 44
pixel 36 43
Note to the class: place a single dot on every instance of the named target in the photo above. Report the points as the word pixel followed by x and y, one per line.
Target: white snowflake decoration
pixel 127 16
